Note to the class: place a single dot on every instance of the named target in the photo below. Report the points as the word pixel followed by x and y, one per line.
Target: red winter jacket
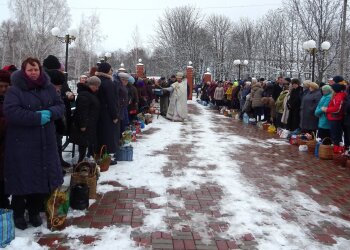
pixel 335 109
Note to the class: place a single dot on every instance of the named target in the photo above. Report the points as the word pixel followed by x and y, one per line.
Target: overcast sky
pixel 119 19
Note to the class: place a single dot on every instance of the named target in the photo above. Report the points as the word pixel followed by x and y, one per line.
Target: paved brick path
pixel 325 182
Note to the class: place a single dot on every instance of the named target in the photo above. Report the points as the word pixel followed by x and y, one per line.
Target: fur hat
pixel 337 87
pixel 56 76
pixel 51 62
pixel 104 67
pixel 338 79
pixel 123 75
pixel 5 76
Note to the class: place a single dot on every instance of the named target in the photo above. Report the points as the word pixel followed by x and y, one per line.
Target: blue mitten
pixel 46 112
pixel 44 119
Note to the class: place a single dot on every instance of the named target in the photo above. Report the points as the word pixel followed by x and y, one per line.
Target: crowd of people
pixel 307 107
pixel 37 111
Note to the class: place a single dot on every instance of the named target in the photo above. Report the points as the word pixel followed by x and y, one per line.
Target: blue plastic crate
pixel 125 153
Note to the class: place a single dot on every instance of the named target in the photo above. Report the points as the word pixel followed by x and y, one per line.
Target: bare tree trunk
pixel 342 48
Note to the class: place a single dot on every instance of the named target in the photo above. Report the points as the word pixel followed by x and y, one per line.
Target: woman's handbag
pixel 325 150
pixel 85 172
pixel 57 208
pixel 103 159
pixel 7 227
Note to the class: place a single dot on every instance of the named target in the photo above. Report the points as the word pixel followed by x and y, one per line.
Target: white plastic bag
pixel 303 148
pixel 284 133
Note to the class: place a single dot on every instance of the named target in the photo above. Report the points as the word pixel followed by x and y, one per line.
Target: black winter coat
pixel 108 132
pixel 133 97
pixel 293 104
pixel 347 110
pixel 86 115
pixel 32 164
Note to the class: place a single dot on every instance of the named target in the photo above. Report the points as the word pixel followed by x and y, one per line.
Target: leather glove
pixel 44 119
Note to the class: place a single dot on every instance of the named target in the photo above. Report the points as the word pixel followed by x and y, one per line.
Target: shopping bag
pixel 85 172
pixel 271 129
pixel 7 227
pixel 57 208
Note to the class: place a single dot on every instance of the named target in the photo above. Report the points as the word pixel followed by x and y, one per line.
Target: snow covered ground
pixel 242 208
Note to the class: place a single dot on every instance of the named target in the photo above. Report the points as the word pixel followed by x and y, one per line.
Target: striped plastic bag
pixel 7 227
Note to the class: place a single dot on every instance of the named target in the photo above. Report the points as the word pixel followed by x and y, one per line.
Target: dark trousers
pixel 278 120
pixel 33 202
pixel 258 112
pixel 267 114
pixel 336 131
pixel 323 133
pixel 91 150
pixel 4 198
pixel 59 146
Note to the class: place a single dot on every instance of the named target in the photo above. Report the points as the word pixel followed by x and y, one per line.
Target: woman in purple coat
pixel 32 163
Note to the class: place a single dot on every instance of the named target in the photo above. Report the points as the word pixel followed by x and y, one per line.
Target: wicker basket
pixel 325 151
pixel 301 141
pixel 103 159
pixel 311 145
pixel 85 172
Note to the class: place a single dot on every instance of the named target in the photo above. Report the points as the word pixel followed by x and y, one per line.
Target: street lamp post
pixel 310 46
pixel 239 63
pixel 106 57
pixel 67 39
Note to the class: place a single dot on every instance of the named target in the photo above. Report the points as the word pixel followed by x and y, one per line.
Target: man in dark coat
pixel 86 115
pixel 51 63
pixel 32 164
pixel 278 87
pixel 108 123
pixel 164 99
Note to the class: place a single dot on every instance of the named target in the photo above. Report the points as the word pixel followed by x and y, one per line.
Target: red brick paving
pixel 332 185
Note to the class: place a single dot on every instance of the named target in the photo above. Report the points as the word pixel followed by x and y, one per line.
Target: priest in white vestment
pixel 177 110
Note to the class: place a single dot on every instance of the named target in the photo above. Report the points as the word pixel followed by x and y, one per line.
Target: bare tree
pixel 320 20
pixel 178 35
pixel 219 29
pixel 36 19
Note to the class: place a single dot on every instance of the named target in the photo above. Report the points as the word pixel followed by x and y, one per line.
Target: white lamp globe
pixel 245 62
pixel 306 45
pixel 140 60
pixel 325 45
pixel 55 31
pixel 312 44
pixel 108 54
pixel 237 62
pixel 190 63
